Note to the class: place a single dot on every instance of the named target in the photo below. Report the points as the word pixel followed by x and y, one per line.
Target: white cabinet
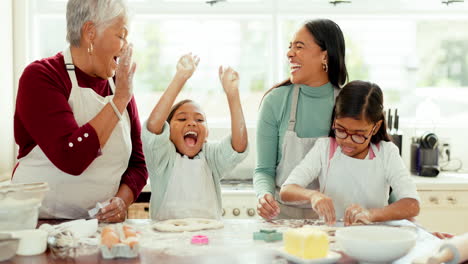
pixel 444 203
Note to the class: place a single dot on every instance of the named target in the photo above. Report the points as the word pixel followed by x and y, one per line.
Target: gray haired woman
pixel 76 129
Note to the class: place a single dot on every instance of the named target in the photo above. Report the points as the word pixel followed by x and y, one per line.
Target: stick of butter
pixel 306 242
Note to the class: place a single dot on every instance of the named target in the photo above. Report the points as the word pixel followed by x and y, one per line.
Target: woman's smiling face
pixel 107 47
pixel 305 58
pixel 188 129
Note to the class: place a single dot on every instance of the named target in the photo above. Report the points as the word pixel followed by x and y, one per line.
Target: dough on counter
pixel 187 224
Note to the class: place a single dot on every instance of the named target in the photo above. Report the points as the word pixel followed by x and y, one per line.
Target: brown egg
pixel 109 237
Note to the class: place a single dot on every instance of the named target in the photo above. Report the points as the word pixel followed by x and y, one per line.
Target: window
pixel 242 43
pixel 416 51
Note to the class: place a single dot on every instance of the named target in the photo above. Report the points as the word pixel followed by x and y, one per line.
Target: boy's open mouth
pixel 190 138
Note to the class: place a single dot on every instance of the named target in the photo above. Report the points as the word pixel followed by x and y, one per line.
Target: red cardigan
pixel 43 117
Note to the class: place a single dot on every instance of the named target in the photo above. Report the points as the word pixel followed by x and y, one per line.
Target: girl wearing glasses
pixel 356 165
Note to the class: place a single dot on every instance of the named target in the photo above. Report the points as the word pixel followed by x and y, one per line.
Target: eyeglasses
pixel 341 133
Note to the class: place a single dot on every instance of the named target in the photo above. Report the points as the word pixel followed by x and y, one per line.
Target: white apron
pixel 70 196
pixel 190 191
pixel 294 150
pixel 355 181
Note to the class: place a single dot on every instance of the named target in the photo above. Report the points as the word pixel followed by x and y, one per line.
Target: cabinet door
pixel 444 211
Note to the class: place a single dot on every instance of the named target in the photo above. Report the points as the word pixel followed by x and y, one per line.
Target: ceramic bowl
pixel 19 205
pixel 31 242
pixel 18 214
pixel 8 246
pixel 375 244
pixel 24 191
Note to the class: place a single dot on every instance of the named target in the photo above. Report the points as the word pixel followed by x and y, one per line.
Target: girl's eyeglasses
pixel 341 133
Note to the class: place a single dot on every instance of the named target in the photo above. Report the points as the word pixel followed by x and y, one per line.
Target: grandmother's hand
pixel 355 214
pixel 229 79
pixel 124 75
pixel 115 212
pixel 187 65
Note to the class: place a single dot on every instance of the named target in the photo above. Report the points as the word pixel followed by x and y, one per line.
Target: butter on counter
pixel 306 242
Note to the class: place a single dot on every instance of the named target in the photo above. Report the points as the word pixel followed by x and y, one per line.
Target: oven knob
pixel 236 212
pixel 250 212
pixel 452 200
pixel 224 212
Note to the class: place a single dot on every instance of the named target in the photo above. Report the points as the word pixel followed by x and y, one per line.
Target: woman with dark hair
pixel 355 166
pixel 296 112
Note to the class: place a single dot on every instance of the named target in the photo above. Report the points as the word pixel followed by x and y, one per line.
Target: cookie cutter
pixel 268 235
pixel 199 240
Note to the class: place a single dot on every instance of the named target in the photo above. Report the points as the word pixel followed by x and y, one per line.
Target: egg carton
pixel 128 247
pixel 119 251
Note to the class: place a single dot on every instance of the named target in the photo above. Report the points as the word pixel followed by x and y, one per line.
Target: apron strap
pixel 70 66
pixel 333 146
pixel 112 85
pixel 331 153
pixel 71 70
pixel 292 115
pixel 373 149
pixel 336 92
pixel 371 153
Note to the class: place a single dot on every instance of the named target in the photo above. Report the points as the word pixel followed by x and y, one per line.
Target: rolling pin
pixel 453 251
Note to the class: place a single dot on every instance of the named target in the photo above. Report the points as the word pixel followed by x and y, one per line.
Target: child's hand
pixel 187 65
pixel 442 235
pixel 229 79
pixel 323 205
pixel 355 214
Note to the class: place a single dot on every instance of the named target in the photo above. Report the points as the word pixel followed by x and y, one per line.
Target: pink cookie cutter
pixel 199 240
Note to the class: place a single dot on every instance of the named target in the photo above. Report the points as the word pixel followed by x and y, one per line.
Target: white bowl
pixel 8 246
pixel 18 214
pixel 375 244
pixel 32 242
pixel 19 205
pixel 24 191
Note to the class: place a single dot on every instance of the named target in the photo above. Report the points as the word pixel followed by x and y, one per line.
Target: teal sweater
pixel 313 119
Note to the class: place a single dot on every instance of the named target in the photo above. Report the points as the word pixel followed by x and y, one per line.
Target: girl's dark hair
pixel 328 36
pixel 175 107
pixel 363 101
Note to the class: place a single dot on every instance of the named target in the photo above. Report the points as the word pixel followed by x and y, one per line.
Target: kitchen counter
pixel 451 181
pixel 444 202
pixel 231 244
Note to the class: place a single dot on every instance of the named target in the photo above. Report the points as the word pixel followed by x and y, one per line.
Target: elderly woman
pixel 296 112
pixel 76 129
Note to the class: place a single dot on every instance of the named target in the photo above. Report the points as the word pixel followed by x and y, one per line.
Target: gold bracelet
pixel 111 101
